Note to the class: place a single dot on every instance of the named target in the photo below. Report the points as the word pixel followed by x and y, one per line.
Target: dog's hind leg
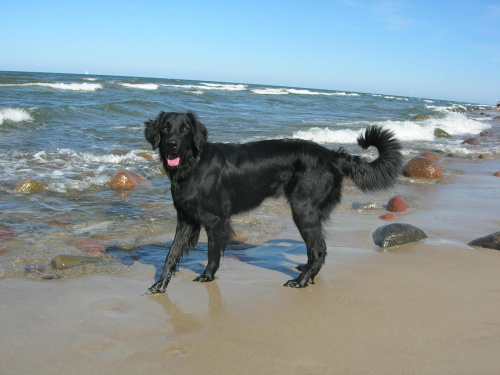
pixel 218 238
pixel 316 253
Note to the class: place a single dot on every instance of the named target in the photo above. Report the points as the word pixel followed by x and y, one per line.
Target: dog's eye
pixel 165 129
pixel 184 129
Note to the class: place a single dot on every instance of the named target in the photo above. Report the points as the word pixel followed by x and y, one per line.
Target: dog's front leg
pixel 219 236
pixel 186 236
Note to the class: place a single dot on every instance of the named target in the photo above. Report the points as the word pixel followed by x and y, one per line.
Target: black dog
pixel 213 181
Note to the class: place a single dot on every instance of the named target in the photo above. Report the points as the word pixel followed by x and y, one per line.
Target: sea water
pixel 72 132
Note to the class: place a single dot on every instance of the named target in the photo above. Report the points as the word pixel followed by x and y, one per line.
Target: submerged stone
pixel 387 217
pixel 472 141
pixel 90 245
pixel 34 268
pixel 397 234
pixel 146 156
pixel 29 186
pixel 124 179
pixel 67 261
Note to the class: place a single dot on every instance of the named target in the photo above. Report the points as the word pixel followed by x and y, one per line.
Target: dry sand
pixel 426 308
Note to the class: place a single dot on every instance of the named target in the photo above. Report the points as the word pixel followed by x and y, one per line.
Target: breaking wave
pixel 14 115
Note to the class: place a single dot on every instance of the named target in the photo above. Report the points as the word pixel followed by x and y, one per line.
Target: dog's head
pixel 179 136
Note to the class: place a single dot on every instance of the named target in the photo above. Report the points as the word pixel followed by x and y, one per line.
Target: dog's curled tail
pixel 380 173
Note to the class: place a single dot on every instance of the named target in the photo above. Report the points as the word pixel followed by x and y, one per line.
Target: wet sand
pixel 425 308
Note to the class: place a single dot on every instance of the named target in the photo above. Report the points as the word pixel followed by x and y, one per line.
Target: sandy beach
pixel 431 307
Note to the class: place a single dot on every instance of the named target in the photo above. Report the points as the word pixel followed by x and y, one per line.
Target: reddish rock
pixel 124 179
pixel 6 233
pixel 388 217
pixel 430 155
pixel 397 204
pixel 146 156
pixel 497 174
pixel 90 245
pixel 421 167
pixel 472 141
pixel 29 186
pixel 60 222
pixel 483 156
pixel 119 152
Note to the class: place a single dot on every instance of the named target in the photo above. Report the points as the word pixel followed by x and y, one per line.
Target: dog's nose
pixel 172 145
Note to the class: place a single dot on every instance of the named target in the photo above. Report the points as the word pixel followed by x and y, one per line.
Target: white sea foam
pixel 285 91
pixel 325 135
pixel 223 86
pixel 14 115
pixel 68 86
pixel 69 170
pixel 142 86
pixel 396 98
pixel 87 157
pixel 340 93
pixel 270 91
pixel 406 131
pixel 59 86
pixel 64 185
pixel 210 86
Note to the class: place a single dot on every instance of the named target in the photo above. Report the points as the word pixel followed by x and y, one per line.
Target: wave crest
pixel 455 124
pixel 142 86
pixel 14 115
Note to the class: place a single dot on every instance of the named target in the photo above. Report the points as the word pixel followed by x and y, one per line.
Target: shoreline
pixel 427 307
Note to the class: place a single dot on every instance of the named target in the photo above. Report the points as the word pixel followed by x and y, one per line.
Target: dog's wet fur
pixel 213 181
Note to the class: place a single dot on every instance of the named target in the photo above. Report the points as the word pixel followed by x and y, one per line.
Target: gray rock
pixel 491 241
pixel 397 234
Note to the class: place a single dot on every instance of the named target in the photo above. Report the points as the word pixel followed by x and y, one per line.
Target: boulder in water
pixel 124 179
pixel 472 141
pixel 440 133
pixel 491 241
pixel 29 186
pixel 397 234
pixel 422 167
pixel 397 204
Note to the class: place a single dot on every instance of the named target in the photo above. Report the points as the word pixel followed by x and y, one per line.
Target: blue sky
pixel 433 49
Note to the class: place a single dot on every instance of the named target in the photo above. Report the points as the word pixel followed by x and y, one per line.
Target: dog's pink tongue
pixel 173 160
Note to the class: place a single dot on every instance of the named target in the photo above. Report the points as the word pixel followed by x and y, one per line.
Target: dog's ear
pixel 199 131
pixel 152 132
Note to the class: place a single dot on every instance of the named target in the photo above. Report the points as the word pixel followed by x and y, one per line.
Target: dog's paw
pixel 204 278
pixel 296 283
pixel 158 287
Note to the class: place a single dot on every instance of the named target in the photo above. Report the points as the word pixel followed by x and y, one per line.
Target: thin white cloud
pixel 391 13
